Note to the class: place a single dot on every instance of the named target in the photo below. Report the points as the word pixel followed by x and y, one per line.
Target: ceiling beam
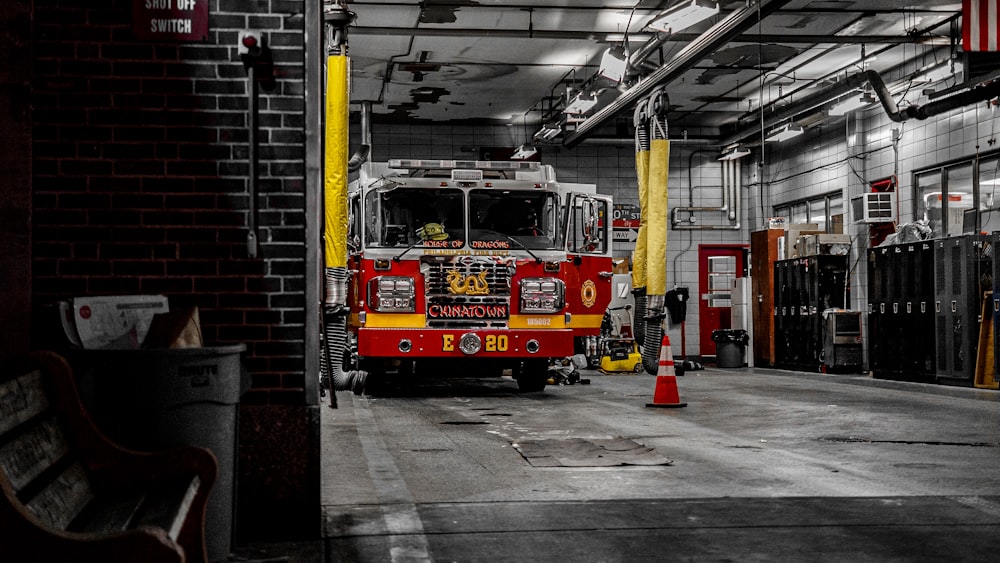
pixel 616 36
pixel 627 6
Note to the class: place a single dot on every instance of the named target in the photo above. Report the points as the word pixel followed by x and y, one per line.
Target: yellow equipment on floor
pixel 620 355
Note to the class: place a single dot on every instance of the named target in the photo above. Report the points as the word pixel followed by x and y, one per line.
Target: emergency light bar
pixel 463 175
pixel 412 164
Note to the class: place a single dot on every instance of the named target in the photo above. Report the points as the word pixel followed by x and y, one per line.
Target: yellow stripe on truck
pixel 587 321
pixel 395 320
pixel 538 321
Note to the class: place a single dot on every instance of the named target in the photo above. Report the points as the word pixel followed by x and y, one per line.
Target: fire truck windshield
pixel 436 217
pixel 527 216
pixel 404 217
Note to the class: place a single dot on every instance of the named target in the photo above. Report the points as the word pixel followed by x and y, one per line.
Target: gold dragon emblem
pixel 475 284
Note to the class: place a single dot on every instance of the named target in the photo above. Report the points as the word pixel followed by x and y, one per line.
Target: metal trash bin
pixel 730 345
pixel 153 399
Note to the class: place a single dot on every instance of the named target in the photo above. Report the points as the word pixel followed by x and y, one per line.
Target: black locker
pixel 804 288
pixel 916 334
pixel 880 326
pixel 924 307
pixel 963 272
pixel 996 307
pixel 921 325
pixel 782 316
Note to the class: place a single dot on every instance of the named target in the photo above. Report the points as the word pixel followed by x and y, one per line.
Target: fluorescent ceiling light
pixel 548 131
pixel 582 103
pixel 684 15
pixel 785 132
pixel 852 103
pixel 524 151
pixel 734 152
pixel 613 63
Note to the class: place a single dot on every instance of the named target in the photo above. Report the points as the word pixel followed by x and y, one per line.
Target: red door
pixel 718 266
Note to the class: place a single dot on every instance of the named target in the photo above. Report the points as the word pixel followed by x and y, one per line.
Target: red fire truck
pixel 471 268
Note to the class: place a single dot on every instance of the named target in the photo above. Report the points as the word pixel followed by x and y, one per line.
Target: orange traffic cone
pixel 666 395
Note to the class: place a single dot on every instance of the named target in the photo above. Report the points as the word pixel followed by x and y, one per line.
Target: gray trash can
pixel 729 347
pixel 153 399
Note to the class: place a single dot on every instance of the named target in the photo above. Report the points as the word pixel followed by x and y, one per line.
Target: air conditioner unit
pixel 874 207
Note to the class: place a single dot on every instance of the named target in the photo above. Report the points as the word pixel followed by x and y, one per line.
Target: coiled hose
pixel 335 337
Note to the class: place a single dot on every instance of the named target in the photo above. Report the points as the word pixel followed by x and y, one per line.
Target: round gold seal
pixel 588 293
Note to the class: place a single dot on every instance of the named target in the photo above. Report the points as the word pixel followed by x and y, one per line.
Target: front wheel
pixel 532 375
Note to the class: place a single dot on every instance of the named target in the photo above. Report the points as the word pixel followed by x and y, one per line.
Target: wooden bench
pixel 70 494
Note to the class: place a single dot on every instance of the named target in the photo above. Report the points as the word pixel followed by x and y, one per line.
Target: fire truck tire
pixel 532 376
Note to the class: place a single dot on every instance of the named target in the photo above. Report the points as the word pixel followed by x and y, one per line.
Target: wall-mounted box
pixel 874 207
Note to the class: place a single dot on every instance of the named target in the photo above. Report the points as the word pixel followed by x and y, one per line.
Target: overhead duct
pixel 976 94
pixel 363 152
pixel 705 44
pixel 773 116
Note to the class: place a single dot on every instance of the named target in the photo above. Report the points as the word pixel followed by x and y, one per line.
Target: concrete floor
pixel 764 465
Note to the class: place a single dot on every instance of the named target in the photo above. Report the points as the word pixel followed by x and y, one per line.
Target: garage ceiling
pixel 510 62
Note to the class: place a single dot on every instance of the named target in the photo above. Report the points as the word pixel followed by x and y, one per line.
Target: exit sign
pixel 170 20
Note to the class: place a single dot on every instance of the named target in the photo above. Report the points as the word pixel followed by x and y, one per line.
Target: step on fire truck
pixel 469 268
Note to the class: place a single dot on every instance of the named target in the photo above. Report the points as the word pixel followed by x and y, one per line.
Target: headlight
pixel 542 295
pixel 391 294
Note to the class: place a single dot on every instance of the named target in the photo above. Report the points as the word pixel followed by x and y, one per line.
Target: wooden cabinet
pixel 763 254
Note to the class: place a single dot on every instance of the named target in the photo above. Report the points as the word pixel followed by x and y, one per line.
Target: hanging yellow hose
pixel 639 256
pixel 656 250
pixel 335 162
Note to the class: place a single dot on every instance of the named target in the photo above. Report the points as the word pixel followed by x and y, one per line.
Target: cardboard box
pixel 795 233
pixel 812 245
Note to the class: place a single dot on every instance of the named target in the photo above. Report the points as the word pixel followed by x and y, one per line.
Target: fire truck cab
pixel 470 268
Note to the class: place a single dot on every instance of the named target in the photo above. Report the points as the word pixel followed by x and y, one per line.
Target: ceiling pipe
pixel 975 93
pixel 630 142
pixel 730 204
pixel 364 151
pixel 774 115
pixel 647 49
pixel 614 37
pixel 718 35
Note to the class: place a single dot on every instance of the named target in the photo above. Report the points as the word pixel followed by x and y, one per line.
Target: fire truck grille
pixel 471 294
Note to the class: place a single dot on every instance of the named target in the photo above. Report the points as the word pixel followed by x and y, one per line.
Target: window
pixel 817 213
pixel 957 197
pixel 989 199
pixel 819 210
pixel 587 231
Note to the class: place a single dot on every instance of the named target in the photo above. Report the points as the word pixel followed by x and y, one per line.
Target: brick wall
pixel 140 185
pixel 141 176
pixel 15 169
